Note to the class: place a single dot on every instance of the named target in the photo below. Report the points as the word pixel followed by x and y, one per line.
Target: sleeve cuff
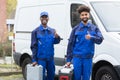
pixel 93 37
pixel 68 60
pixel 33 60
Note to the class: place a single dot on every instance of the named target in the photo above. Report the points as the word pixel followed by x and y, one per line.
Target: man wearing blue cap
pixel 43 39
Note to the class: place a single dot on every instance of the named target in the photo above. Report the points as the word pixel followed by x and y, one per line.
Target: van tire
pixel 106 73
pixel 24 68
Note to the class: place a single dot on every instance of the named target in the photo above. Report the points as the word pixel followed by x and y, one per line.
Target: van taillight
pixel 13 35
pixel 13 47
pixel 13 42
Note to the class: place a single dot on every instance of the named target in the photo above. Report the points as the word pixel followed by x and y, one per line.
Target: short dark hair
pixel 83 8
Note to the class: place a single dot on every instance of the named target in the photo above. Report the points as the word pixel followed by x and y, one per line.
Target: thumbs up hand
pixel 55 34
pixel 88 36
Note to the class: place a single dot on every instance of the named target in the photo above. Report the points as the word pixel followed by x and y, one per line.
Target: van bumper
pixel 16 57
pixel 117 68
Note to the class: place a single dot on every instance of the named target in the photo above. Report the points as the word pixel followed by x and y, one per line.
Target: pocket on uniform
pixel 39 36
pixel 79 35
pixel 50 39
pixel 40 39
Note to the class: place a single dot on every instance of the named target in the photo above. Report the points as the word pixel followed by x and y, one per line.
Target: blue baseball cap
pixel 44 14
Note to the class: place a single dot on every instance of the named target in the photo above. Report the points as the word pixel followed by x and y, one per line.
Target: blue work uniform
pixel 81 51
pixel 42 46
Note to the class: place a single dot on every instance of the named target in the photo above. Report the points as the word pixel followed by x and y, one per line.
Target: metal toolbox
pixel 34 72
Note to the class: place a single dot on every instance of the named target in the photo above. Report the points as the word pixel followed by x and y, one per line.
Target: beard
pixel 85 20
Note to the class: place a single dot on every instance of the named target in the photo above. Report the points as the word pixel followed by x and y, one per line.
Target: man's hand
pixel 34 63
pixel 68 64
pixel 88 36
pixel 55 34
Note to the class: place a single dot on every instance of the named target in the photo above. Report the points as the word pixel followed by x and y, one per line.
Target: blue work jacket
pixel 78 45
pixel 42 43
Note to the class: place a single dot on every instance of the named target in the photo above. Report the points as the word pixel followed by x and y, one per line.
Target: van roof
pixel 38 2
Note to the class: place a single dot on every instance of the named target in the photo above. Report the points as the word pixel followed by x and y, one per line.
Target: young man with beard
pixel 43 39
pixel 81 45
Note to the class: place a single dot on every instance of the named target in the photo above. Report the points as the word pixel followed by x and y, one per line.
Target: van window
pixel 74 15
pixel 109 14
pixel 75 19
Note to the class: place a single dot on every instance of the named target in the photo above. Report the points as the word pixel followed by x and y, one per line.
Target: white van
pixel 63 17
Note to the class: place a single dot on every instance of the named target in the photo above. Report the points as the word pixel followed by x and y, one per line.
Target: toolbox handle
pixel 71 66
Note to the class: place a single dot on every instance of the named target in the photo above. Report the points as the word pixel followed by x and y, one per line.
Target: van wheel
pixel 106 73
pixel 24 68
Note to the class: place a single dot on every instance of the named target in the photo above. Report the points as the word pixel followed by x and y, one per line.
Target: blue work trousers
pixel 82 68
pixel 50 67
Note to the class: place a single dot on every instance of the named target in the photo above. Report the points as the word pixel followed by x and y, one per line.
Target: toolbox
pixel 34 72
pixel 66 73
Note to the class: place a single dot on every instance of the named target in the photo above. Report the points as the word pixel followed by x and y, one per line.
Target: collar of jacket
pixel 42 28
pixel 82 25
